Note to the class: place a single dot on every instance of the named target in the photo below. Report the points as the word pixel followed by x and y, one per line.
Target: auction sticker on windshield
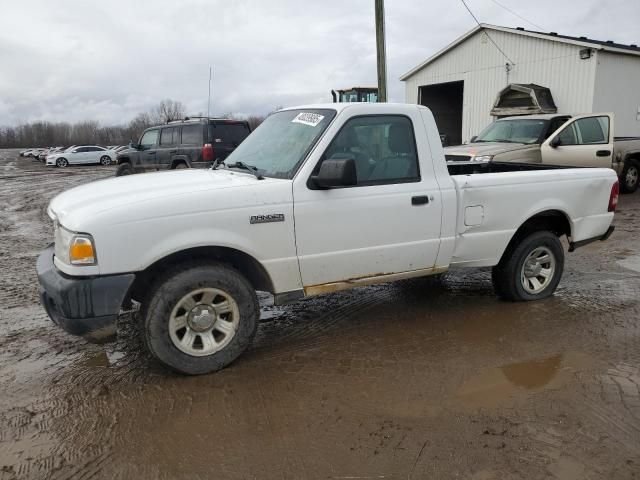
pixel 308 118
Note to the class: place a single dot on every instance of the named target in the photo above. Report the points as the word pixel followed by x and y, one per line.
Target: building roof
pixel 606 45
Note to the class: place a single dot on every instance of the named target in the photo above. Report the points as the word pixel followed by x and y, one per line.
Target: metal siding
pixel 482 67
pixel 617 90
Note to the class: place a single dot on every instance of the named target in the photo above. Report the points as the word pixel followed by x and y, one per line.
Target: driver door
pixel 583 141
pixel 388 223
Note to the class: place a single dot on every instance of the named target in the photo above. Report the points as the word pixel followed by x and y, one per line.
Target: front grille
pixel 457 158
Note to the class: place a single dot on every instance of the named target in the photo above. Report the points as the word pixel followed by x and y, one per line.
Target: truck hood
pixel 73 207
pixel 481 148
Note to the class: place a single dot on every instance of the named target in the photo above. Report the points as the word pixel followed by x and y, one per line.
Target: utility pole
pixel 382 53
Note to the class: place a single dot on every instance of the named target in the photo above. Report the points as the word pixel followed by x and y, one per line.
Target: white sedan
pixel 82 155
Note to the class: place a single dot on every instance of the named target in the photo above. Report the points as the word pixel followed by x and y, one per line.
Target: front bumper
pixel 83 306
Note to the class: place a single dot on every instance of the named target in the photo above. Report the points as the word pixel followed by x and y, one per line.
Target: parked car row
pixel 74 155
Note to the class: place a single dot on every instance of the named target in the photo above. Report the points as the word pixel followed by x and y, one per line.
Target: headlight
pixel 74 248
pixel 482 158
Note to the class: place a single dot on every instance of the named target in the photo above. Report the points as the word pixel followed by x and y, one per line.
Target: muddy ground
pixel 412 380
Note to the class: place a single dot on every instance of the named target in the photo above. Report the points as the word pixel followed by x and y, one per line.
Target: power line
pixel 487 33
pixel 517 15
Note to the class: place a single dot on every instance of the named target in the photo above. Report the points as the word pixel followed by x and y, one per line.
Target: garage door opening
pixel 445 101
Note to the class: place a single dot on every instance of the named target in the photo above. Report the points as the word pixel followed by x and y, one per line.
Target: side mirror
pixel 555 142
pixel 334 173
pixel 473 139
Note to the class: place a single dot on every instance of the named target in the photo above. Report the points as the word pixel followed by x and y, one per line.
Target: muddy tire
pixel 530 269
pixel 62 162
pixel 630 176
pixel 200 317
pixel 181 165
pixel 124 169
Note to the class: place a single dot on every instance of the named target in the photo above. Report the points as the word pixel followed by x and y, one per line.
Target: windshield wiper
pixel 255 170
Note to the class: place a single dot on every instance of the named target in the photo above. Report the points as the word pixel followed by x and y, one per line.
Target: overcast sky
pixel 75 59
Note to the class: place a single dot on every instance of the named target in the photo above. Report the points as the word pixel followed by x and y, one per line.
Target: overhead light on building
pixel 585 53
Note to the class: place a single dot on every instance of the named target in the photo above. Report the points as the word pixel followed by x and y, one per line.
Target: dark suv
pixel 192 142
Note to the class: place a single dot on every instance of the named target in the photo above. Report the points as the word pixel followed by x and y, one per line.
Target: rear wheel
pixel 62 162
pixel 124 169
pixel 630 176
pixel 105 160
pixel 530 269
pixel 200 318
pixel 181 165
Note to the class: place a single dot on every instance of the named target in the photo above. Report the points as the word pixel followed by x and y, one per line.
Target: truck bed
pixel 490 205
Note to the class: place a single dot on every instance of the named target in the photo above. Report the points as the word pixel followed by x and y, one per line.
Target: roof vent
pixel 609 41
pixel 519 28
pixel 633 45
pixel 583 38
pixel 553 33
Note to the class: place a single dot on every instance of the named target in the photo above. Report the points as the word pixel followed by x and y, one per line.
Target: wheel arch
pixel 247 265
pixel 552 220
pixel 178 160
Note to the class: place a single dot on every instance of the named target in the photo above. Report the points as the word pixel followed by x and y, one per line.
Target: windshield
pixel 282 141
pixel 513 131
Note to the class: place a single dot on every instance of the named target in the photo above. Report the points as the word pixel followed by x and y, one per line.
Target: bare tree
pixel 167 111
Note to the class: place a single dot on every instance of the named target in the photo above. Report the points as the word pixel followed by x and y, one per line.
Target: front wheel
pixel 62 162
pixel 200 318
pixel 124 169
pixel 630 177
pixel 530 269
pixel 105 160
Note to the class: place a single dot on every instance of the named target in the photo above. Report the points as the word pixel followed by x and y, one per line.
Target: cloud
pixel 74 60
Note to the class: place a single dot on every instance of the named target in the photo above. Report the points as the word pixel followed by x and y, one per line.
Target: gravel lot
pixel 419 379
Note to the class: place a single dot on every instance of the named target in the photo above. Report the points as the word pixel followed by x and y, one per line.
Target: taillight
pixel 208 153
pixel 613 198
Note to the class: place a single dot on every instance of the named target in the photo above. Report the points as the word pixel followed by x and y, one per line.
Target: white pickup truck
pixel 318 199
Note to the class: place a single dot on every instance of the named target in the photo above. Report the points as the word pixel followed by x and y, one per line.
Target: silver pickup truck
pixel 550 140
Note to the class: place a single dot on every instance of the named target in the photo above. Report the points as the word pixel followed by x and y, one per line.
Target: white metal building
pixel 460 82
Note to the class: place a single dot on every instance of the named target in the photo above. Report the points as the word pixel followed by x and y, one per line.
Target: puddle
pixel 630 263
pixel 511 382
pixel 103 359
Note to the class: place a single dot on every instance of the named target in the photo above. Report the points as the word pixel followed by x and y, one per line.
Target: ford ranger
pixel 318 199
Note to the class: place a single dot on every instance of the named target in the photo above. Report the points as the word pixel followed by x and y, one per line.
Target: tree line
pixel 90 132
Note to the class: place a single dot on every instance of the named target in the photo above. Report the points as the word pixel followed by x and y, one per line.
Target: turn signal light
pixel 81 251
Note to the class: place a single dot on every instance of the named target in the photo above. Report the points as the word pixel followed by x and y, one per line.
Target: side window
pixel 383 147
pixel 167 136
pixel 82 150
pixel 568 135
pixel 192 134
pixel 593 130
pixel 229 134
pixel 149 139
pixel 586 131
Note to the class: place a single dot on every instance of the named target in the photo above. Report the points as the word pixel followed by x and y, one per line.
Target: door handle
pixel 420 200
pixel 173 151
pixel 603 153
pixel 151 153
